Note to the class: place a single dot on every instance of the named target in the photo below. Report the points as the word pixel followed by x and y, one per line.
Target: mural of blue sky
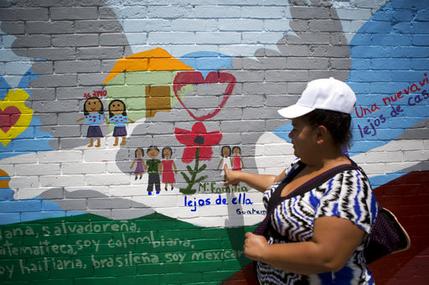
pixel 389 102
pixel 207 61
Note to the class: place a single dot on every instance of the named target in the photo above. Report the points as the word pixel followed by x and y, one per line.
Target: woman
pixel 139 162
pixel 168 168
pixel 317 237
pixel 93 111
pixel 118 117
pixel 225 160
pixel 237 162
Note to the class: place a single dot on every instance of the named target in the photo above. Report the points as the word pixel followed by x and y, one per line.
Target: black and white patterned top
pixel 346 195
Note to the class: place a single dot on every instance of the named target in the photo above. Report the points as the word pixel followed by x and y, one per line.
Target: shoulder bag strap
pixel 276 198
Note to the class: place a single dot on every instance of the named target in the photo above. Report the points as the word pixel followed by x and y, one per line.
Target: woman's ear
pixel 322 134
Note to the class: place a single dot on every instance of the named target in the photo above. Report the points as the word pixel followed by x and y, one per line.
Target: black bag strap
pixel 264 225
pixel 276 198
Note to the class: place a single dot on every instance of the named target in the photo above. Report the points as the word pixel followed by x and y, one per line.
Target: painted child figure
pixel 138 161
pixel 93 112
pixel 153 167
pixel 168 168
pixel 118 116
pixel 237 162
pixel 225 153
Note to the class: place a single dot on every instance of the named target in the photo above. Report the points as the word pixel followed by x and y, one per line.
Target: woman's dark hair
pixel 86 112
pixel 337 123
pixel 124 112
pixel 164 148
pixel 137 149
pixel 236 147
pixel 152 147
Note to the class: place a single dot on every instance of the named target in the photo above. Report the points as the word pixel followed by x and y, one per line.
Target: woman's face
pixel 93 105
pixel 167 153
pixel 153 153
pixel 303 138
pixel 225 151
pixel 117 108
pixel 139 153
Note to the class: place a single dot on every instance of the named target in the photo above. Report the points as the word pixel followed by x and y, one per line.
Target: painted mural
pixel 115 132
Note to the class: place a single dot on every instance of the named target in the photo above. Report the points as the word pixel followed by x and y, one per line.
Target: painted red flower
pixel 197 139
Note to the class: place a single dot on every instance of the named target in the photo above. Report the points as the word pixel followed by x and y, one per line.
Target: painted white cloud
pixel 227 27
pixel 218 26
pixel 15 66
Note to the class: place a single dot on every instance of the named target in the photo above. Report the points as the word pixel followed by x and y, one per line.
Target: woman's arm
pixel 259 182
pixel 334 241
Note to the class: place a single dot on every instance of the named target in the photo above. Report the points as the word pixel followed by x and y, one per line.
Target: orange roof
pixel 3 173
pixel 4 179
pixel 156 59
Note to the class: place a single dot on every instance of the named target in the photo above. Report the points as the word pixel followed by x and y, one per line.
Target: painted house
pixel 144 82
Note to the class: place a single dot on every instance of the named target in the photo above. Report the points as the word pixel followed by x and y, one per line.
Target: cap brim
pixel 294 111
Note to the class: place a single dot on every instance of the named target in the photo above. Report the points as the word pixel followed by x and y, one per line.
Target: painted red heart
pixel 195 77
pixel 9 117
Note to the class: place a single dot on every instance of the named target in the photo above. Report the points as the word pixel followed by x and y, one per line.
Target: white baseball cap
pixel 327 94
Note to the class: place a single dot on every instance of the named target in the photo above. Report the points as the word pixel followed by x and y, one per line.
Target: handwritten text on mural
pixel 93 245
pixel 194 202
pixel 415 95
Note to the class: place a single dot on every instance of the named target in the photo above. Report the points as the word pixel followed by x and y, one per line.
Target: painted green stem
pixel 193 172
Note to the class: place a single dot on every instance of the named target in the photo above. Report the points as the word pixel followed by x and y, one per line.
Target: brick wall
pixel 87 87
